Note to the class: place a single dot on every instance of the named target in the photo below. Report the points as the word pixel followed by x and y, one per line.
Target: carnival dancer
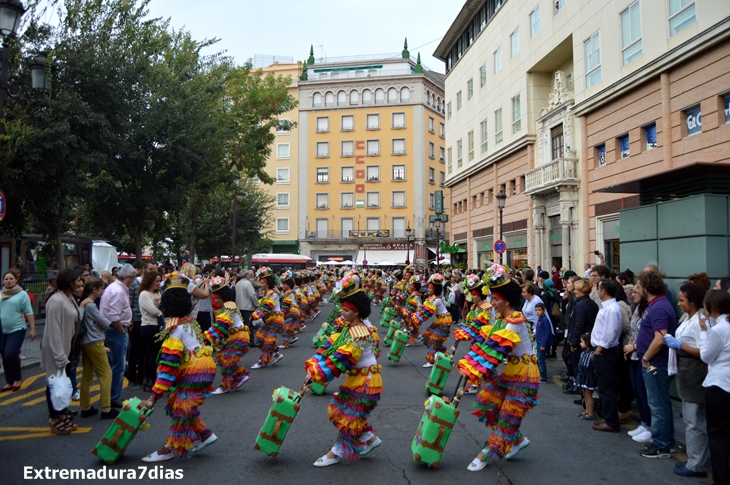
pixel 409 310
pixel 229 328
pixel 290 307
pixel 186 370
pixel 311 296
pixel 269 319
pixel 507 397
pixel 478 316
pixel 352 351
pixel 303 301
pixel 436 335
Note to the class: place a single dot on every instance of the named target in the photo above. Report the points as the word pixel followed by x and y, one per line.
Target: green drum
pixel 319 389
pixel 281 415
pixel 394 327
pixel 400 339
pixel 322 335
pixel 434 431
pixel 131 418
pixel 439 373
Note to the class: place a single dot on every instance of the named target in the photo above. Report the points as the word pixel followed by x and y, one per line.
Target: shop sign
pixel 694 120
pixel 388 246
pixel 379 233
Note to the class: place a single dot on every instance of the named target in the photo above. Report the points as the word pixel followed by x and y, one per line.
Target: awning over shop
pixel 375 257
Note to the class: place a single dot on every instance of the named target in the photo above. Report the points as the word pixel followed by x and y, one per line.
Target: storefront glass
pixel 517 258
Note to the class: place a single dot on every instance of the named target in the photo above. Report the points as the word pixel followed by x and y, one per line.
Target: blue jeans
pixel 541 354
pixel 657 394
pixel 637 383
pixel 10 344
pixel 117 343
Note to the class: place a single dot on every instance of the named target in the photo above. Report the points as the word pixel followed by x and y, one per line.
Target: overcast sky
pixel 341 27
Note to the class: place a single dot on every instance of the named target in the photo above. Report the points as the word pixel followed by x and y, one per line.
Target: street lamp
pixel 409 231
pixel 501 199
pixel 40 81
pixel 438 236
pixel 10 13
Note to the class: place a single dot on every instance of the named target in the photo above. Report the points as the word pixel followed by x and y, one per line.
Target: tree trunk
pixel 60 255
pixel 137 244
pixel 193 231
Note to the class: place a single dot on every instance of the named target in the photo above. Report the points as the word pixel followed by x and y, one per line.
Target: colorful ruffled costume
pixel 507 397
pixel 186 370
pixel 292 317
pixel 229 328
pixel 474 321
pixel 435 335
pixel 267 335
pixel 409 310
pixel 359 394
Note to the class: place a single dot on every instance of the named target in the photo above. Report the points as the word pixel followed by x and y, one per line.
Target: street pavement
pixel 564 449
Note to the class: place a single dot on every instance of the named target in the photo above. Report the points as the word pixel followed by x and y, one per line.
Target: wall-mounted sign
pixel 388 246
pixel 379 233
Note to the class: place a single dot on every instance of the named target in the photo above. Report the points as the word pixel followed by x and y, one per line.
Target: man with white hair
pixel 116 308
pixel 246 299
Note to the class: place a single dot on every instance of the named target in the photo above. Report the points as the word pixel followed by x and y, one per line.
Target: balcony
pixel 546 178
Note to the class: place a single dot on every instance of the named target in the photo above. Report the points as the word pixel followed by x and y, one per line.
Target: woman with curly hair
pixel 352 351
pixel 269 319
pixel 437 334
pixel 290 307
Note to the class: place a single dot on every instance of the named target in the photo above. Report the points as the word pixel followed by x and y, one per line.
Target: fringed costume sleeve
pixel 338 355
pixel 168 365
pixel 266 308
pixel 487 353
pixel 423 313
pixel 375 342
pixel 475 321
pixel 219 329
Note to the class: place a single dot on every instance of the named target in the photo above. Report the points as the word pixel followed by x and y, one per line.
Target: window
pixel 341 98
pixel 514 41
pixel 373 223
pixel 448 110
pixel 681 15
pixel 348 148
pixel 373 173
pixel 399 172
pixel 593 60
pixel 631 33
pixel 323 175
pixel 282 150
pixel 516 115
pixel 431 150
pixel 399 198
pixel 347 224
pixel 379 96
pixel 497 60
pixel 282 175
pixel 458 101
pixel 316 102
pixel 348 174
pixel 483 75
pixel 448 163
pixel 284 127
pixel 373 122
pixel 534 22
pixel 405 95
pixel 459 154
pixel 431 200
pixel 556 141
pixel 392 96
pixel 399 227
pixel 470 139
pixel 399 120
pixel 442 177
pixel 483 127
pixel 430 124
pixel 322 226
pixel 329 99
pixel 323 201
pixel 367 97
pixel 431 175
pixel 726 107
pixel 347 200
pixel 441 130
pixel 354 98
pixel 348 123
pixel 323 124
pixel 282 224
pixel 624 147
pixel 441 154
pixel 469 89
pixel 373 147
pixel 694 120
pixel 559 5
pixel 323 149
pixel 372 199
pixel 399 146
pixel 282 199
pixel 650 136
pixel 498 126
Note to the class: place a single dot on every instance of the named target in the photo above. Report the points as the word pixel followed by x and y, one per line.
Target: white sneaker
pixel 644 437
pixel 302 327
pixel 204 444
pixel 277 358
pixel 293 340
pixel 243 380
pixel 326 461
pixel 636 431
pixel 427 365
pixel 155 457
pixel 477 464
pixel 258 365
pixel 517 448
pixel 371 447
pixel 219 391
pixel 471 390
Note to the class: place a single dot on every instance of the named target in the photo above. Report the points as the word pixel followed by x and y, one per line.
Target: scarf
pixel 9 292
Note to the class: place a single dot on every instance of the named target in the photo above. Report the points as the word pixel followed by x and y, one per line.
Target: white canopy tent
pixel 391 257
pixel 103 256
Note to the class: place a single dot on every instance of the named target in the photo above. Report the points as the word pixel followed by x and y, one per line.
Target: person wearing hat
pixel 506 397
pixel 269 319
pixel 437 334
pixel 352 351
pixel 409 310
pixel 479 314
pixel 290 307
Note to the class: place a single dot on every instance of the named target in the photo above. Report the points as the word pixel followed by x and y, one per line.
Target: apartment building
pixel 576 110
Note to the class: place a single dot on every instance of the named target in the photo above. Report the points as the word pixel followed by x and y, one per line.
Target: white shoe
pixel 326 461
pixel 636 431
pixel 517 448
pixel 277 358
pixel 427 365
pixel 258 365
pixel 155 457
pixel 204 444
pixel 293 340
pixel 477 464
pixel 302 327
pixel 243 380
pixel 220 390
pixel 371 447
pixel 471 390
pixel 644 437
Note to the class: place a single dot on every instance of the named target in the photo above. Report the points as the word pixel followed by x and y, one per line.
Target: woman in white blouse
pixel 149 306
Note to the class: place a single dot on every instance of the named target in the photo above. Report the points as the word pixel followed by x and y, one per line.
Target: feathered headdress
pixel 497 276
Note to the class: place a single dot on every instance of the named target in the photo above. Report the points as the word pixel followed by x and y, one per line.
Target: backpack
pixel 554 306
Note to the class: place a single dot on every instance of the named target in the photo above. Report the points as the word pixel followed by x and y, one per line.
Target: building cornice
pixel 509 149
pixel 457 27
pixel 682 53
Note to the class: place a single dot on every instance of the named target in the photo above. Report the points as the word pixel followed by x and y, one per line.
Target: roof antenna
pixel 322 53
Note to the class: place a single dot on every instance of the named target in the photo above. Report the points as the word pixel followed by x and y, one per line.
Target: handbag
pixel 60 389
pixel 161 322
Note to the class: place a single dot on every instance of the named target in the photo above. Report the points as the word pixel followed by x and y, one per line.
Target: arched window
pixel 367 97
pixel 354 98
pixel 392 95
pixel 316 100
pixel 341 98
pixel 329 99
pixel 433 100
pixel 428 97
pixel 405 95
pixel 379 96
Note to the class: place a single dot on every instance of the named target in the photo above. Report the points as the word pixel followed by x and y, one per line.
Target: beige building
pixel 571 108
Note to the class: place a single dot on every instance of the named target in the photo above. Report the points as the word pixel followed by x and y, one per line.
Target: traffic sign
pixel 364 262
pixel 500 246
pixel 439 202
pixel 3 206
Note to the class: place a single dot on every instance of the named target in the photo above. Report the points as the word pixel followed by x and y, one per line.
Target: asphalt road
pixel 563 450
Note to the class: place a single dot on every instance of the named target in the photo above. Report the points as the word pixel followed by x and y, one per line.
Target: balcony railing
pixel 558 172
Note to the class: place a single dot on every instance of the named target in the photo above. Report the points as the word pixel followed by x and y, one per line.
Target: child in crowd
pixel 543 338
pixel 586 377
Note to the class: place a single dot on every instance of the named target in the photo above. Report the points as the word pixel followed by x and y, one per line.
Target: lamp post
pixel 501 199
pixel 438 236
pixel 409 231
pixel 10 13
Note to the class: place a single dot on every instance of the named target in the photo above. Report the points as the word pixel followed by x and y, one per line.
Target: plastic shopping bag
pixel 61 390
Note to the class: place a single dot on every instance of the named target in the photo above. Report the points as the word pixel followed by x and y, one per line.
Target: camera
pixel 596 253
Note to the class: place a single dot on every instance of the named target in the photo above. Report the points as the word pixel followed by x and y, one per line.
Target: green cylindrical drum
pixel 400 339
pixel 394 326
